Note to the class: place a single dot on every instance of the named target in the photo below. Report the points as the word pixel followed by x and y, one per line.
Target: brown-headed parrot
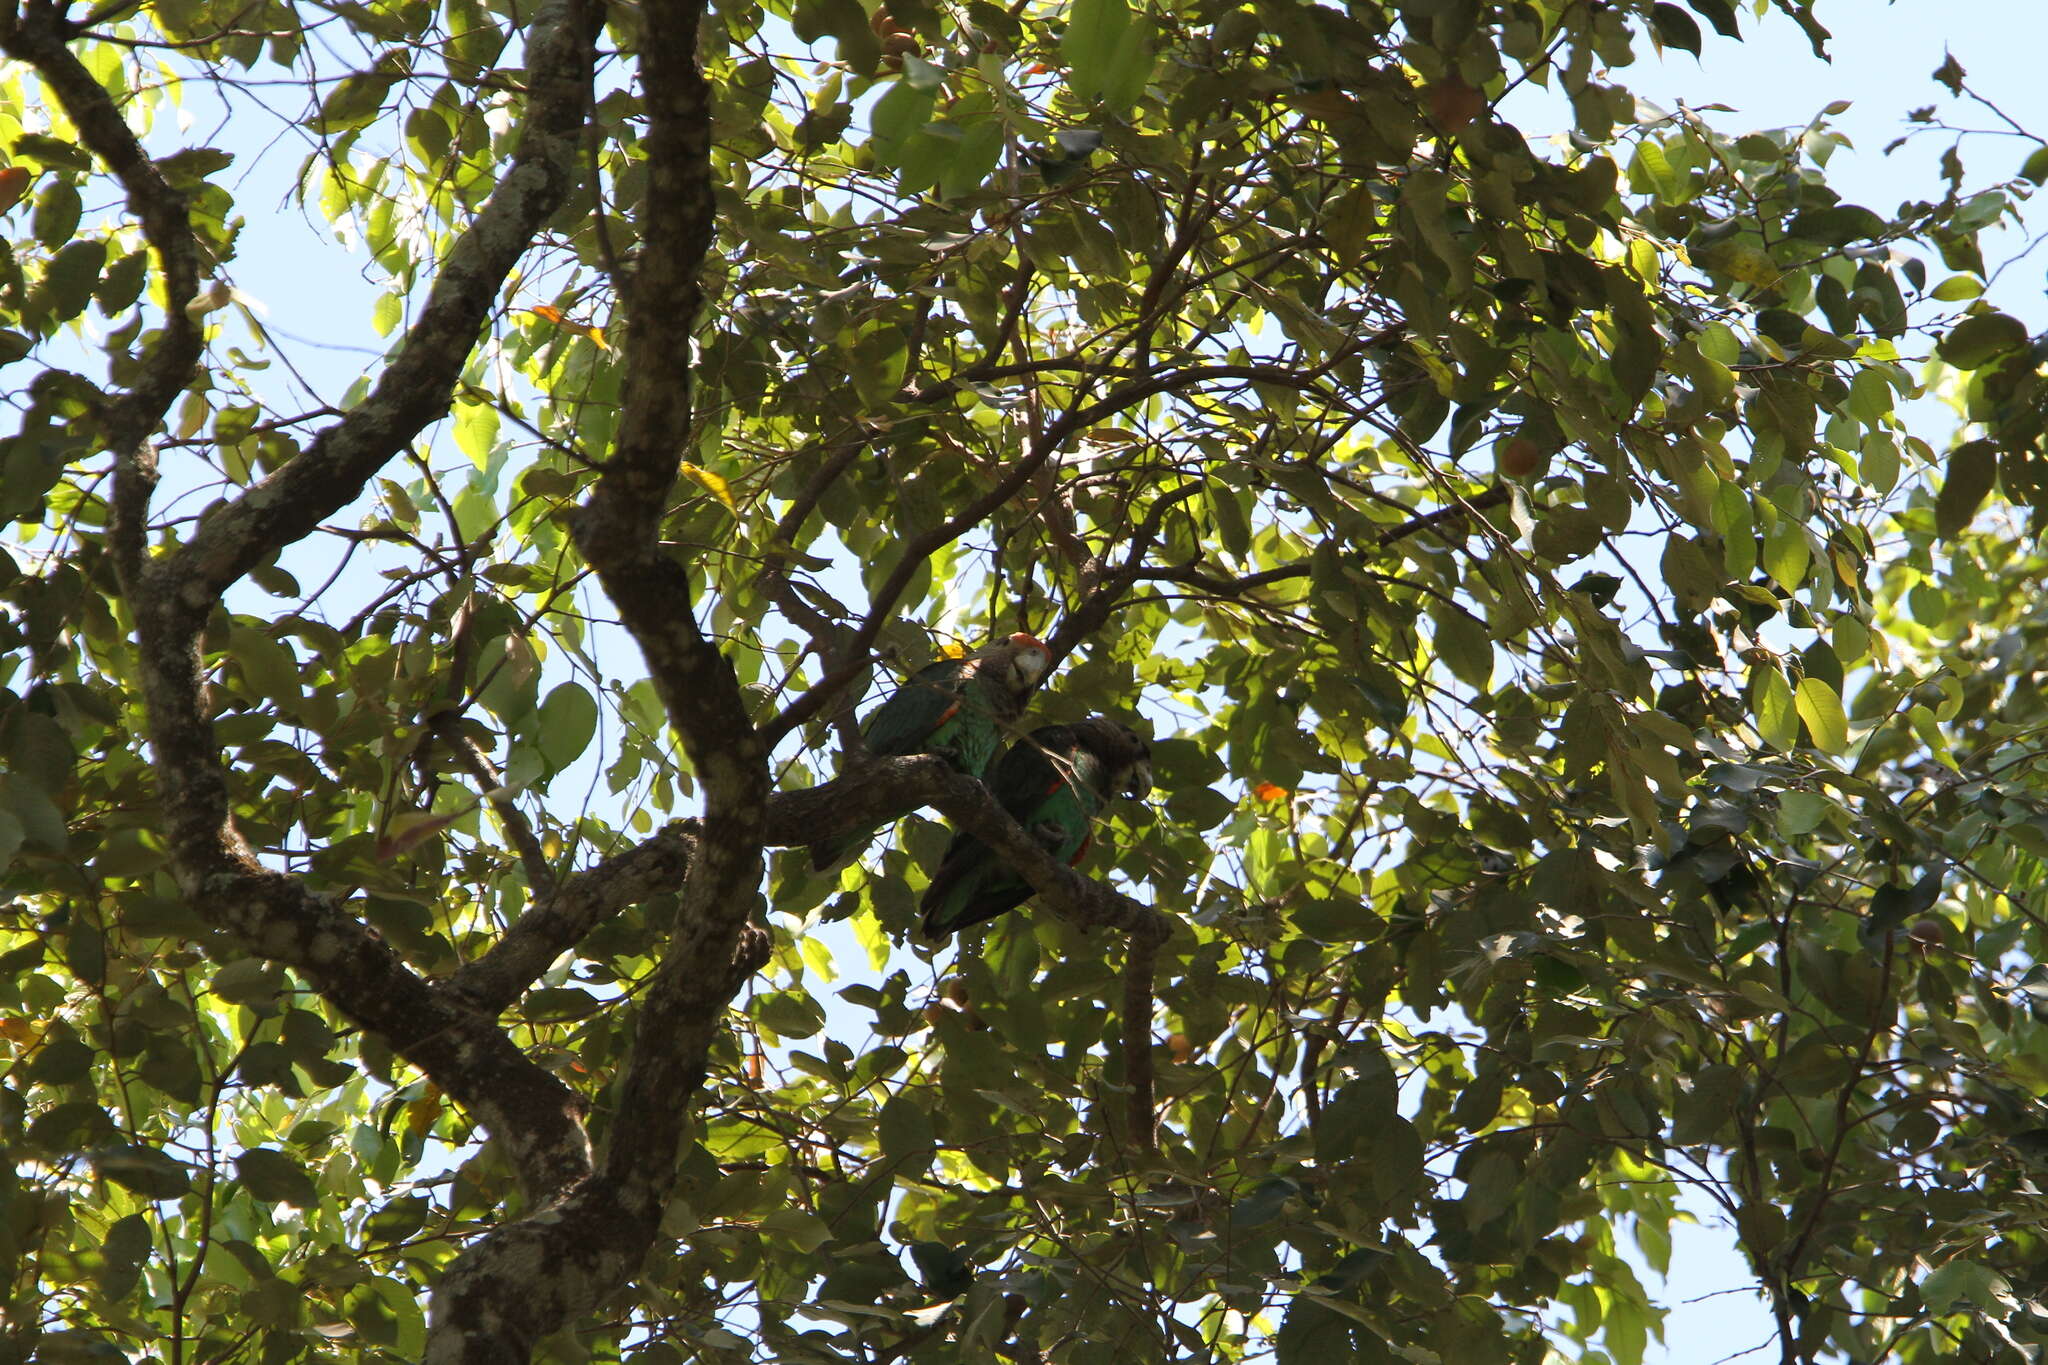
pixel 1052 783
pixel 956 708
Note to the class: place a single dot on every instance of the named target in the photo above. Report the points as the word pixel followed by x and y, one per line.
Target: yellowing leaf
pixel 1266 791
pixel 952 649
pixel 548 313
pixel 421 1113
pixel 714 484
pixel 13 184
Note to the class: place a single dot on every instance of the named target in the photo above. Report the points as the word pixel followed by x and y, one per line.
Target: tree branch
pixel 1139 961
pixel 534 1116
pixel 876 791
pixel 447 729
pixel 38 37
pixel 486 1309
pixel 416 387
pixel 1043 447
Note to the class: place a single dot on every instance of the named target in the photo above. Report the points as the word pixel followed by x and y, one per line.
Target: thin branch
pixel 447 728
pixel 1048 442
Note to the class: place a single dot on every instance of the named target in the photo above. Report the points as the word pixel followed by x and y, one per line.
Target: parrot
pixel 955 708
pixel 1052 782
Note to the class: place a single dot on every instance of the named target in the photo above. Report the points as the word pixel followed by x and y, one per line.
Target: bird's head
pixel 1122 750
pixel 1028 660
pixel 1138 785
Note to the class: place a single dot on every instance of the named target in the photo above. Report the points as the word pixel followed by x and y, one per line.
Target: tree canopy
pixel 1593 685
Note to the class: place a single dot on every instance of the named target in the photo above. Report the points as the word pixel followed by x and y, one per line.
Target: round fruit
pixel 1518 457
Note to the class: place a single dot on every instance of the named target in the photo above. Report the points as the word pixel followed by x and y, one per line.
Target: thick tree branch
pixel 535 1117
pixel 38 37
pixel 616 528
pixel 487 1309
pixel 416 387
pixel 879 790
pixel 491 1307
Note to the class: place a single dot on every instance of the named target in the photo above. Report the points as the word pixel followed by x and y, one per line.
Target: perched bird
pixel 1052 783
pixel 955 708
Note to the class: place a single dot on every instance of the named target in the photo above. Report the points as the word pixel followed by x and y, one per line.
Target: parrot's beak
pixel 1140 785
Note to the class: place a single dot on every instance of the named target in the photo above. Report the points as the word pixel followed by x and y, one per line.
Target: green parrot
pixel 1052 782
pixel 956 708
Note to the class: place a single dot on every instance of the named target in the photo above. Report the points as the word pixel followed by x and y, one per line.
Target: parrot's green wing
pixel 1042 783
pixel 914 712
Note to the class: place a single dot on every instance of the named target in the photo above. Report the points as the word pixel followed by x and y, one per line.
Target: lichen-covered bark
pixel 534 1116
pixel 495 1301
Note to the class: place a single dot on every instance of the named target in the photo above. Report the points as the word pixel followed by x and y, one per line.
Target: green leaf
pixel 904 1131
pixel 1981 338
pixel 58 209
pixel 1821 709
pixel 1771 699
pixel 186 169
pixel 790 1014
pixel 565 724
pixel 1972 469
pixel 267 665
pixel 476 430
pixel 1839 225
pixel 799 1228
pixel 901 111
pixel 1719 13
pixel 354 102
pixel 1676 28
pixel 1108 51
pixel 151 1173
pixel 53 152
pixel 1465 645
pixel 276 1178
pixel 72 276
pixel 1963 1280
pixel 1706 1105
pixel 1690 575
pixel 1787 554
